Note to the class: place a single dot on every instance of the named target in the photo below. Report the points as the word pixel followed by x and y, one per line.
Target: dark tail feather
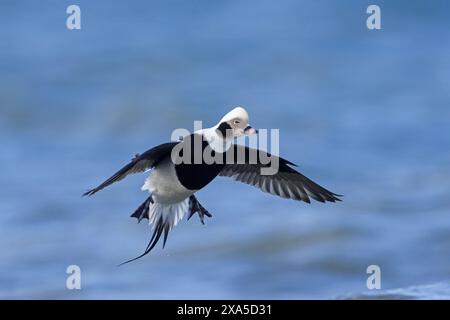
pixel 166 233
pixel 159 228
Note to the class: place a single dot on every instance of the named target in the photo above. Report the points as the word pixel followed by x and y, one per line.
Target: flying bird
pixel 181 168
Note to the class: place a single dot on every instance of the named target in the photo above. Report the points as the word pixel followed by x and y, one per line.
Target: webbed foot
pixel 196 207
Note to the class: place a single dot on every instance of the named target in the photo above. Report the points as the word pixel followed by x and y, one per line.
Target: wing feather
pixel 286 183
pixel 139 163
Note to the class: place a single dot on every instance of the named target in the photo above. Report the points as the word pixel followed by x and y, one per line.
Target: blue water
pixel 364 113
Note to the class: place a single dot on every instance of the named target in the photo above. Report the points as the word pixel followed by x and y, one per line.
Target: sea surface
pixel 366 113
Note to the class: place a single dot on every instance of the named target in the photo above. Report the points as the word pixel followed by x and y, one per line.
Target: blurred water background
pixel 364 113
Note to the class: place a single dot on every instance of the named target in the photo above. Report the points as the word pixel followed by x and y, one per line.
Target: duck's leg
pixel 195 206
pixel 143 210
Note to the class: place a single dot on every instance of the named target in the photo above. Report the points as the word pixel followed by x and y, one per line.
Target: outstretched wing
pixel 139 163
pixel 286 182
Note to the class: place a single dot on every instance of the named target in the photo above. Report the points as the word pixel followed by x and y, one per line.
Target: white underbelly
pixel 164 186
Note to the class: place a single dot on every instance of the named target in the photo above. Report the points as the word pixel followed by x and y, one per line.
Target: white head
pixel 234 124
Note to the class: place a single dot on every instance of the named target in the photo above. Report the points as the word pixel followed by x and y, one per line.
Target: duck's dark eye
pixel 236 122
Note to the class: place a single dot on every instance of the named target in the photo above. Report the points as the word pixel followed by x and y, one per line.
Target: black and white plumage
pixel 178 172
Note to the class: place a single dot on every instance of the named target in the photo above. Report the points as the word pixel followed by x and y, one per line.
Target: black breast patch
pixel 195 173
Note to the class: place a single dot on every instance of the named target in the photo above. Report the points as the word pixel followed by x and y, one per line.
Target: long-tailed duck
pixel 182 168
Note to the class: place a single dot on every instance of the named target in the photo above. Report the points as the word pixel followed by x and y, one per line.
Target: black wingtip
pixel 334 197
pixel 89 193
pixel 325 197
